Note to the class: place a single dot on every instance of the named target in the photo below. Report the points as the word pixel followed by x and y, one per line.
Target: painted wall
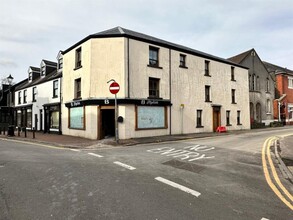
pixel 102 60
pixel 261 95
pixel 44 96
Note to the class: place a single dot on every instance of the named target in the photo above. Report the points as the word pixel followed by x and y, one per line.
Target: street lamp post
pixel 9 79
pixel 10 126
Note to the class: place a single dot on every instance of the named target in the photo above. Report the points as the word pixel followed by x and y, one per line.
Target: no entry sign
pixel 114 88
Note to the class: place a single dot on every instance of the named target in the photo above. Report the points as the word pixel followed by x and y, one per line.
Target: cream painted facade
pixel 125 58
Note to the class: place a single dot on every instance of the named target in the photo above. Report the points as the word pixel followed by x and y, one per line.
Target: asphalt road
pixel 211 178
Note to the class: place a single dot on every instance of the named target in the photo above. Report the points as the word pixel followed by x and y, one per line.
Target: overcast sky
pixel 32 30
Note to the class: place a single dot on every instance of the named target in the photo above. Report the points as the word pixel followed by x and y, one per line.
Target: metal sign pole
pixel 116 120
pixel 114 89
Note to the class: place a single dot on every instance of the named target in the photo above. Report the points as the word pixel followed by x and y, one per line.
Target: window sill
pixel 77 67
pixel 184 67
pixel 269 113
pixel 239 124
pixel 208 101
pixel 199 126
pixel 76 99
pixel 34 100
pixel 82 129
pixel 155 66
pixel 207 75
pixel 233 80
pixel 228 125
pixel 54 97
pixel 234 103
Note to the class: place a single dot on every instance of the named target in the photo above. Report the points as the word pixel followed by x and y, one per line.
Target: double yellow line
pixel 270 172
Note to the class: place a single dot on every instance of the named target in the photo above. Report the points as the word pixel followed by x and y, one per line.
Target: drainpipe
pixel 181 111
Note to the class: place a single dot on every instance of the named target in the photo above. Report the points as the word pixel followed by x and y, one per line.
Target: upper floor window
pixel 19 97
pixel 233 96
pixel 257 84
pixel 207 93
pixel 60 63
pixel 154 88
pixel 78 57
pixel 154 56
pixel 232 73
pixel 24 96
pixel 290 82
pixel 77 86
pixel 55 89
pixel 182 60
pixel 268 85
pixel 43 70
pixel 253 84
pixel 30 76
pixel 34 93
pixel 207 68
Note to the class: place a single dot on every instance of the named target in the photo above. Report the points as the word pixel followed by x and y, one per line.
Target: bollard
pixel 25 132
pixel 34 133
pixel 19 129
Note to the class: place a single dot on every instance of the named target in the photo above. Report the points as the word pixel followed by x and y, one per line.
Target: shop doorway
pixel 107 123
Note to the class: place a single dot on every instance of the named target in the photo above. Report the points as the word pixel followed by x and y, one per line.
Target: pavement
pixel 285 148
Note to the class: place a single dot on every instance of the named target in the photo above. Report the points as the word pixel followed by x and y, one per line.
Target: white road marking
pixel 75 150
pixel 178 186
pixel 96 155
pixel 124 165
pixel 265 219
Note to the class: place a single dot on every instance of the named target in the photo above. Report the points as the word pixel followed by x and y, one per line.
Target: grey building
pixel 261 87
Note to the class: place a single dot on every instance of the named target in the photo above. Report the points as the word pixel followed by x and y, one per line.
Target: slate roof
pixel 122 32
pixel 277 69
pixel 53 75
pixel 50 63
pixel 35 69
pixel 240 57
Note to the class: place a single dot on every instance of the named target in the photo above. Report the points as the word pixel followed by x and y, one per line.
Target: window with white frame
pixel 24 96
pixel 55 89
pixel 290 82
pixel 34 93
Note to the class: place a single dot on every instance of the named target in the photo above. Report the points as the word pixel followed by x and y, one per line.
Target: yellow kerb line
pixel 275 172
pixel 268 178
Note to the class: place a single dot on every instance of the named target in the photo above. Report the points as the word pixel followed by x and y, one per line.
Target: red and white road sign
pixel 114 88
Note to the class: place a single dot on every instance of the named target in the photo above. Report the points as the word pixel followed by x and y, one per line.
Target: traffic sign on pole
pixel 114 88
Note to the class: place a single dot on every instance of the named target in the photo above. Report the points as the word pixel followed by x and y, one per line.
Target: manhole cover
pixel 185 166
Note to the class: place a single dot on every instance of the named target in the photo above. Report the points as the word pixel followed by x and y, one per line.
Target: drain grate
pixel 184 166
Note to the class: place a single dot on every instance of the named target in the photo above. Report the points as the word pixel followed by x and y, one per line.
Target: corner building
pixel 165 88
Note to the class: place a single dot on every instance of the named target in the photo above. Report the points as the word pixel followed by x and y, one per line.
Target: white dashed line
pixel 96 155
pixel 265 219
pixel 124 165
pixel 178 186
pixel 75 150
